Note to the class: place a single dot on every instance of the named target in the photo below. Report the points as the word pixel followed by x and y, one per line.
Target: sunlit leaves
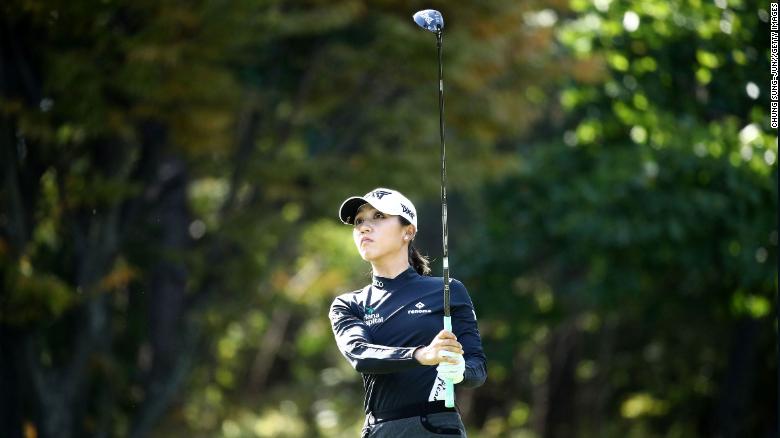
pixel 206 196
pixel 34 297
pixel 707 59
pixel 754 306
pixel 618 62
pixel 642 404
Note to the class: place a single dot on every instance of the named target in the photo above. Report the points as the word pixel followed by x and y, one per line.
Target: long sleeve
pixel 354 341
pixel 464 322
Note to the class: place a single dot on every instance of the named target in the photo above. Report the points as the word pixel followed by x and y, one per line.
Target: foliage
pixel 169 247
pixel 641 245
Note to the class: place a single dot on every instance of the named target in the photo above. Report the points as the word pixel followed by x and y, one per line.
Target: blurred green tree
pixel 636 246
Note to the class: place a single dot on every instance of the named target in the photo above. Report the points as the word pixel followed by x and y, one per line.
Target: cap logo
pixel 407 211
pixel 379 194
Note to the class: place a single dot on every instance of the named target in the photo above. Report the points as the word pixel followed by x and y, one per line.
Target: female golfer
pixel 391 330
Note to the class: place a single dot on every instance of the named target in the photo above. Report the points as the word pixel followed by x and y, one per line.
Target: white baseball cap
pixel 387 201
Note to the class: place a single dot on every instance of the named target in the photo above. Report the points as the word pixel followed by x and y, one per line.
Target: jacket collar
pixel 393 283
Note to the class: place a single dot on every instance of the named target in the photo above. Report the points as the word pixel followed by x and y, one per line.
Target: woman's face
pixel 377 235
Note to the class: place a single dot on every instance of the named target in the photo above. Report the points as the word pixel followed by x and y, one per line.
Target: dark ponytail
pixel 419 262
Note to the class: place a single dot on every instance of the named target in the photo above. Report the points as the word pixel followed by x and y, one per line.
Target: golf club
pixel 432 20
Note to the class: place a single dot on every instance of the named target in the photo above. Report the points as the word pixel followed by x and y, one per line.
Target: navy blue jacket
pixel 378 328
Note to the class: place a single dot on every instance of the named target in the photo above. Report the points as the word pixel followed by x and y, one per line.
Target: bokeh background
pixel 171 173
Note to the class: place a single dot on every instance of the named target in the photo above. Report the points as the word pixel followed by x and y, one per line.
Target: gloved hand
pixel 452 371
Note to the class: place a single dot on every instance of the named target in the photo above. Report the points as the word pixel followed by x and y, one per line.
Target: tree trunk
pixel 166 291
pixel 559 420
pixel 735 394
pixel 12 409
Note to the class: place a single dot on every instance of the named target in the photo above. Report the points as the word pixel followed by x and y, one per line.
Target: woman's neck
pixel 391 267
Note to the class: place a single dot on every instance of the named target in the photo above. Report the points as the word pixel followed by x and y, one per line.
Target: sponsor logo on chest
pixel 371 318
pixel 420 309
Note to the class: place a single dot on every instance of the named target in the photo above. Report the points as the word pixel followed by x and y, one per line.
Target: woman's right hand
pixel 444 341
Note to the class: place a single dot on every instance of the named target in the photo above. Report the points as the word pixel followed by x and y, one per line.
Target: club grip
pixel 449 387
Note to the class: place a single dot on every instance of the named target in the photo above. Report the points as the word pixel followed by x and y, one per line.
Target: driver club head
pixel 429 19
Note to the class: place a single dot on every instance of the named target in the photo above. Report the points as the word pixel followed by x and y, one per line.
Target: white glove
pixel 450 371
